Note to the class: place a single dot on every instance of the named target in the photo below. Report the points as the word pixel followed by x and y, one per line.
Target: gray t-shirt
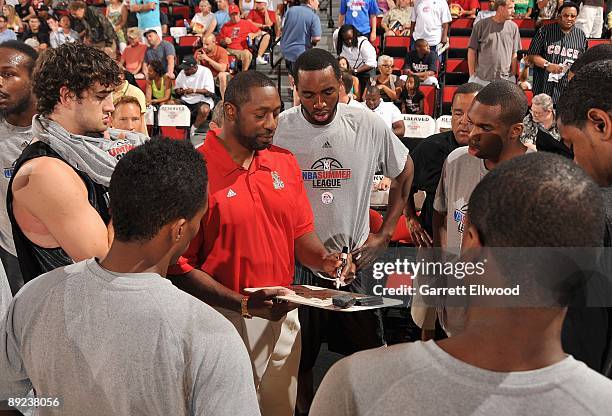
pixel 128 344
pixel 460 175
pixel 338 163
pixel 13 140
pixel 495 44
pixel 422 379
pixel 160 53
pixel 5 292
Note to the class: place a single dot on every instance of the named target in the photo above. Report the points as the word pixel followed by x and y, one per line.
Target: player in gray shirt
pixel 508 361
pixel 17 107
pixel 113 336
pixel 339 149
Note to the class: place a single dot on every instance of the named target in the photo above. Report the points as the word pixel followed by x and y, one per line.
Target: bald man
pixel 215 58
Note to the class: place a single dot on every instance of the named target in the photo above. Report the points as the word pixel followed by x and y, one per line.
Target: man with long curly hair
pixel 57 198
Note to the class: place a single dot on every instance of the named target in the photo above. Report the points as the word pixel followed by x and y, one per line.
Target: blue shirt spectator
pixel 301 30
pixel 221 15
pixel 6 33
pixel 148 17
pixel 358 14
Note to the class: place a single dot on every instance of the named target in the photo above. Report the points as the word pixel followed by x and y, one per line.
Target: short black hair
pixel 343 29
pixel 590 88
pixel 75 66
pixel 3 17
pixel 559 205
pixel 347 80
pixel 467 88
pixel 156 183
pixel 567 4
pixel 509 96
pixel 596 53
pixel 238 91
pixel 157 66
pixel 371 89
pixel 22 48
pixel 420 41
pixel 315 60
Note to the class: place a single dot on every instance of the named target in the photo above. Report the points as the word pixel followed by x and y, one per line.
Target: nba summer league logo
pixel 326 173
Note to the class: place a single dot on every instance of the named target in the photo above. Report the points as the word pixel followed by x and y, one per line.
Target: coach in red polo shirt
pixel 265 19
pixel 258 217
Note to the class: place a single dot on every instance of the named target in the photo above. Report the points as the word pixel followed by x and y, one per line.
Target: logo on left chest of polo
pixel 276 180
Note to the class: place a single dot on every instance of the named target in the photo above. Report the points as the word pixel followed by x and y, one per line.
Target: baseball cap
pixel 188 62
pixel 43 7
pixel 233 9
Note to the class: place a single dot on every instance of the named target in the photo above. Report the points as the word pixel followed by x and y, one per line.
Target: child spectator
pixel 411 98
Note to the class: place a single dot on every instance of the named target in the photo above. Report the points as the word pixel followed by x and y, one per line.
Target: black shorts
pixel 194 108
pixel 346 333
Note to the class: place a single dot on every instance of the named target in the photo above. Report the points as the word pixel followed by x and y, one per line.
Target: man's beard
pixel 20 107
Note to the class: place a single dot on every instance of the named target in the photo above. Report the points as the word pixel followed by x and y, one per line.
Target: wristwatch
pixel 244 309
pixel 546 63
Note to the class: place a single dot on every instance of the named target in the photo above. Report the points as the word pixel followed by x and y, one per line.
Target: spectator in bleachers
pixel 238 33
pixel 388 83
pixel 596 53
pixel 35 31
pixel 344 66
pixel 125 89
pixel 6 34
pixel 159 85
pixel 431 21
pixel 412 100
pixel 466 8
pixel 483 14
pixel 548 9
pixel 195 88
pixel 422 62
pixel 12 18
pixel 359 53
pixel 245 7
pixel 361 14
pixel 387 111
pixel 64 34
pixel 215 58
pixel 499 363
pixel 429 156
pixel 494 44
pixel 222 14
pixel 396 22
pixel 25 10
pixel 92 26
pixel 133 56
pixel 148 15
pixel 165 22
pixel 128 115
pixel 43 12
pixel 553 50
pixel 523 9
pixel 540 120
pixel 117 14
pixel 159 50
pixel 265 19
pixel 591 17
pixel 204 22
pixel 346 87
pixel 301 31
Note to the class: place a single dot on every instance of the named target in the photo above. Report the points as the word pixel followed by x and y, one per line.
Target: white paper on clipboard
pixel 322 298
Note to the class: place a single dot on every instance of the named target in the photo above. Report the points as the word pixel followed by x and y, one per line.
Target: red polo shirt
pixel 254 217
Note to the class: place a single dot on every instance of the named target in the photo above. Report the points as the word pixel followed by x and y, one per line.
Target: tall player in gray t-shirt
pixel 113 336
pixel 339 149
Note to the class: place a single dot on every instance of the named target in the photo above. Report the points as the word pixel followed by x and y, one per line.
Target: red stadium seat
pixel 447 93
pixel 376 45
pixel 595 42
pixel 376 221
pixel 401 234
pixel 462 23
pixel 529 95
pixel 188 40
pixel 525 23
pixel 430 93
pixel 173 132
pixel 142 84
pixel 459 42
pixel 398 64
pixel 182 11
pixel 525 42
pixel 456 65
pixel 163 9
pixel 545 22
pixel 396 46
pixel 169 39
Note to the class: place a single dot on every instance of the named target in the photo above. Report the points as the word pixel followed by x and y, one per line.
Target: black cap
pixel 188 62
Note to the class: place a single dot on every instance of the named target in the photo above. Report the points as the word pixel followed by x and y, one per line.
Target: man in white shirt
pixel 430 21
pixel 387 111
pixel 195 86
